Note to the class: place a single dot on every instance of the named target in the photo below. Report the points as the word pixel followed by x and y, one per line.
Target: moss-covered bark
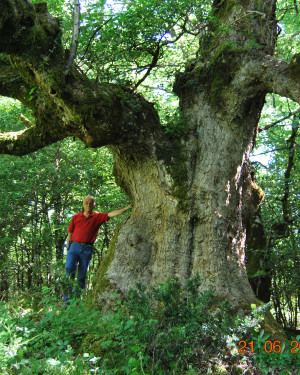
pixel 193 197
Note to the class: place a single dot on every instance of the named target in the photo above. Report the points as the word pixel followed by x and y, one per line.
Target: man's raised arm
pixel 118 212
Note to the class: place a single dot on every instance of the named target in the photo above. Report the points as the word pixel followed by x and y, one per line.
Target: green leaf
pixel 135 348
pixel 53 362
pixel 133 362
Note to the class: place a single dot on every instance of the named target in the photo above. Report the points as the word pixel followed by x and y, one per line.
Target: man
pixel 82 234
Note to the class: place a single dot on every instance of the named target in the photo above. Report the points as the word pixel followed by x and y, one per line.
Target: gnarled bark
pixel 193 197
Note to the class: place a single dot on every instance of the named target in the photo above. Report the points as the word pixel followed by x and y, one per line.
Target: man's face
pixel 88 205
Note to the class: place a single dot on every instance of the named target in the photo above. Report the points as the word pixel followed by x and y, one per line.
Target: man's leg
pixel 70 266
pixel 84 261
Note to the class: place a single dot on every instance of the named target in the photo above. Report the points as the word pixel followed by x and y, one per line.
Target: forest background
pixel 40 192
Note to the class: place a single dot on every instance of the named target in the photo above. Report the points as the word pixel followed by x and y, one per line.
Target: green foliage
pixel 11 111
pixel 123 42
pixel 167 329
pixel 288 42
pixel 175 124
pixel 124 37
pixel 276 355
pixel 45 342
pixel 39 193
pixel 278 175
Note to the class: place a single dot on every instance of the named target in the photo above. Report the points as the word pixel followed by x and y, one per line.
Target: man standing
pixel 82 234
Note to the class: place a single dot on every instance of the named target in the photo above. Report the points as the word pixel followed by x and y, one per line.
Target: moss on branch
pixel 294 67
pixel 26 141
pixel 29 31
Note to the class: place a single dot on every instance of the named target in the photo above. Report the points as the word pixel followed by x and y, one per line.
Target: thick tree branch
pixel 97 114
pixel 281 78
pixel 12 83
pixel 267 74
pixel 25 141
pixel 62 105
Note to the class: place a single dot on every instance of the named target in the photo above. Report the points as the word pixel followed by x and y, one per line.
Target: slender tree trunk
pixel 58 231
pixel 4 275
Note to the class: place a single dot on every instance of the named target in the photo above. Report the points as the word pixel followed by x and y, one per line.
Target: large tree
pixel 193 195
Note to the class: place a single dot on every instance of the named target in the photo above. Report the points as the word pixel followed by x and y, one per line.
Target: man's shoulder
pixel 101 217
pixel 77 215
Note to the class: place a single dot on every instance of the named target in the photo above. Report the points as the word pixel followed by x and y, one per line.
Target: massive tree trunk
pixel 193 197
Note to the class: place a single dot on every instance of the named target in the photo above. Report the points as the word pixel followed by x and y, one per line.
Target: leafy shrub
pixel 165 329
pixel 45 342
pixel 276 355
pixel 168 329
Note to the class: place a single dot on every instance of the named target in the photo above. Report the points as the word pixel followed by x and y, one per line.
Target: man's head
pixel 88 204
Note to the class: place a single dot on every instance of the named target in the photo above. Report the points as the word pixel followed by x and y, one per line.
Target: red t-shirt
pixel 85 229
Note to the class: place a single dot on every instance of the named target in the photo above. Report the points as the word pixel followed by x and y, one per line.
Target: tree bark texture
pixel 194 196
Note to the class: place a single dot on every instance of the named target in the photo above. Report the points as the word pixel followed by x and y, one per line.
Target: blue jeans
pixel 79 255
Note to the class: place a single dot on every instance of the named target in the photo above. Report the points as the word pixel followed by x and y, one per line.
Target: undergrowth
pixel 167 329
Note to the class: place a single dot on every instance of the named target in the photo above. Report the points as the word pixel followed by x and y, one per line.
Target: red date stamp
pixel 270 347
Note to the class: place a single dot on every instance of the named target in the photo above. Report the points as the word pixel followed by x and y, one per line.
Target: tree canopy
pixel 131 44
